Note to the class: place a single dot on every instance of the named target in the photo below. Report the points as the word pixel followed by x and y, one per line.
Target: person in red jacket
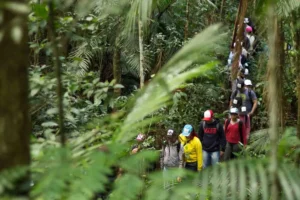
pixel 235 133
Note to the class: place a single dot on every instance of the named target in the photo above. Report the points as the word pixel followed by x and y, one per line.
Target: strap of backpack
pixel 235 92
pixel 203 126
pixel 250 96
pixel 226 124
pixel 178 147
pixel 241 131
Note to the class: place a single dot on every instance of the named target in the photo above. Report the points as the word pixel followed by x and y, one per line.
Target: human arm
pixel 244 133
pixel 162 157
pixel 199 155
pixel 181 156
pixel 222 138
pixel 255 102
pixel 201 132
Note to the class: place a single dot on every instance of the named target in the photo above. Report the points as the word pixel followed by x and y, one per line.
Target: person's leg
pixel 206 158
pixel 228 151
pixel 165 175
pixel 236 149
pixel 191 166
pixel 215 157
pixel 248 127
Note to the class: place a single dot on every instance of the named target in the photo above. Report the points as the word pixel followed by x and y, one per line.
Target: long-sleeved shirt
pixel 233 133
pixel 212 136
pixel 172 155
pixel 193 152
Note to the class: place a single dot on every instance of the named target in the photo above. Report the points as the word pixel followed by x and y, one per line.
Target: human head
pixel 248 83
pixel 249 29
pixel 208 116
pixel 241 73
pixel 240 85
pixel 188 131
pixel 140 137
pixel 234 113
pixel 172 135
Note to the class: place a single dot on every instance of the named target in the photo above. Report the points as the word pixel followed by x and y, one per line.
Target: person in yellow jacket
pixel 192 148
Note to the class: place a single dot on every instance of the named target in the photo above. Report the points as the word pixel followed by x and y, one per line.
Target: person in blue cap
pixel 192 149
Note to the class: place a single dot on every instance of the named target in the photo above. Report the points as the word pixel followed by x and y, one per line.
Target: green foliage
pixel 85 98
pixel 90 32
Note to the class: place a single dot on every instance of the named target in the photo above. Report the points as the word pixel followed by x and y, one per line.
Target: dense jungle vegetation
pixel 80 79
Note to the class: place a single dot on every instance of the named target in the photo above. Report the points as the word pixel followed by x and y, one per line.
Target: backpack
pixel 178 146
pixel 240 128
pixel 249 95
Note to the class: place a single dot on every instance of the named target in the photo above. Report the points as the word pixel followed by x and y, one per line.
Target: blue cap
pixel 187 129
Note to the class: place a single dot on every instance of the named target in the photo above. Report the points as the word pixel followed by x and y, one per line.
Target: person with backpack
pixel 241 76
pixel 251 37
pixel 171 152
pixel 137 147
pixel 235 134
pixel 212 137
pixel 248 22
pixel 192 149
pixel 246 101
pixel 171 157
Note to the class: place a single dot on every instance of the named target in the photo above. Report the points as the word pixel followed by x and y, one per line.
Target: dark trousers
pixel 230 150
pixel 193 166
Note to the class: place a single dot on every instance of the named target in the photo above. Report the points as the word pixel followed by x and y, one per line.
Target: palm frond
pixel 82 56
pixel 139 10
pixel 285 7
pixel 237 179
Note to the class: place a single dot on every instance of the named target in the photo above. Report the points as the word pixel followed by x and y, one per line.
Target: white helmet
pixel 248 82
pixel 234 111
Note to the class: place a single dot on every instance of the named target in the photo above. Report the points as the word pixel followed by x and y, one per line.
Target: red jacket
pixel 233 133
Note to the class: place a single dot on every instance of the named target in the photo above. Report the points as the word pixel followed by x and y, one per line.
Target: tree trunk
pixel 240 36
pixel 273 99
pixel 142 76
pixel 295 32
pixel 58 65
pixel 221 9
pixel 236 23
pixel 14 120
pixel 117 71
pixel 186 27
pixel 280 75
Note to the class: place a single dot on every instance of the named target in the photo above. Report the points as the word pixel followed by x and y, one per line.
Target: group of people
pixel 195 151
pixel 248 44
pixel 214 140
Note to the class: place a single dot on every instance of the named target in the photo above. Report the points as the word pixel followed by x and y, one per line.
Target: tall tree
pixel 296 62
pixel 238 37
pixel 14 119
pixel 57 64
pixel 273 97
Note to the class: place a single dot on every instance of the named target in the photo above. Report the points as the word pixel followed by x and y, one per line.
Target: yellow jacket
pixel 192 150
